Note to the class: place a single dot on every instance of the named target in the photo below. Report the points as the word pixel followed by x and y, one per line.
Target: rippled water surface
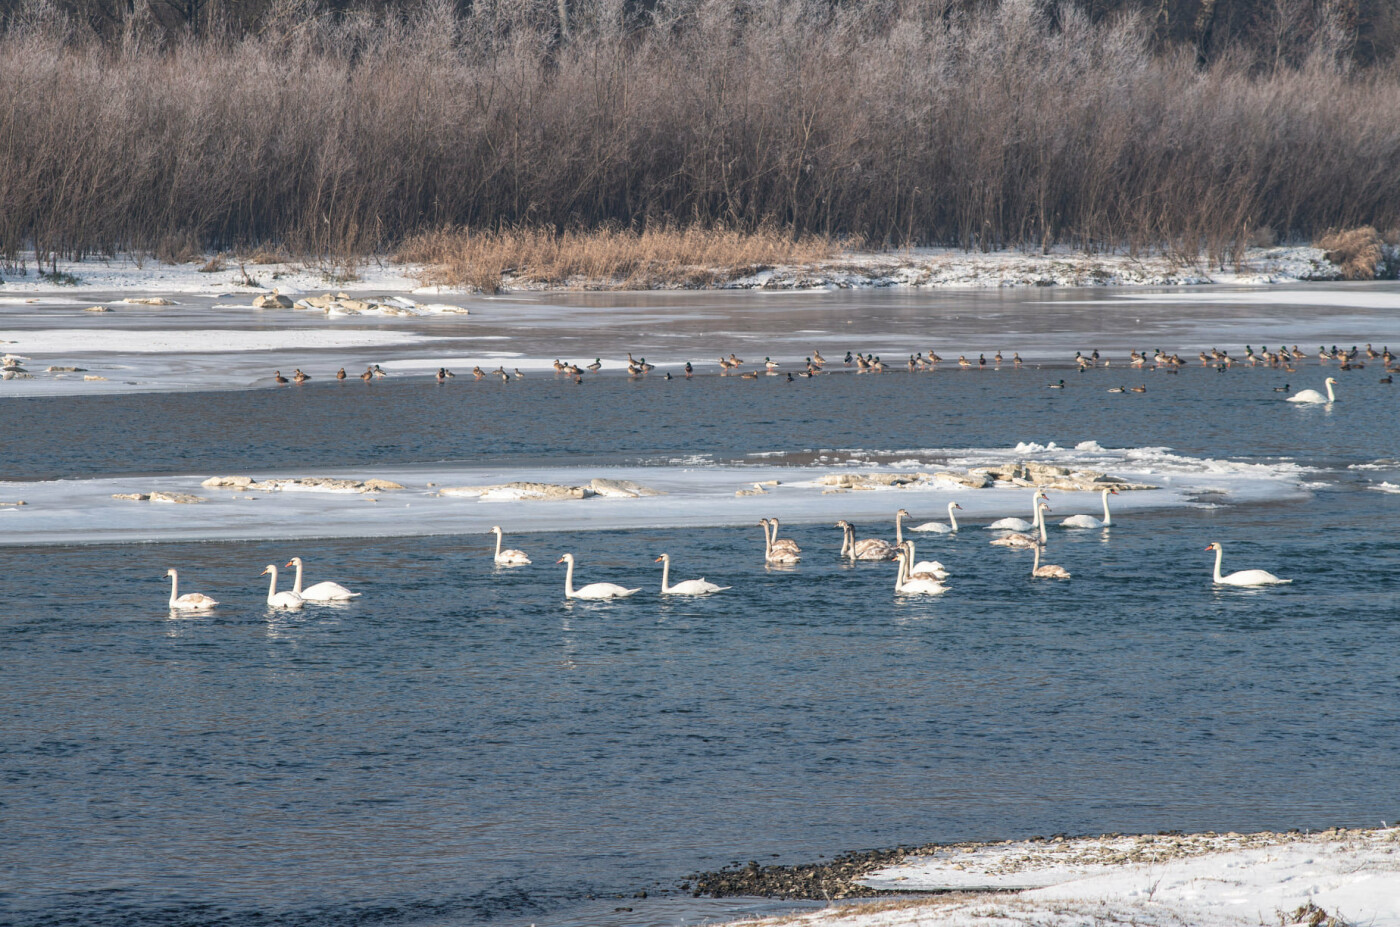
pixel 460 746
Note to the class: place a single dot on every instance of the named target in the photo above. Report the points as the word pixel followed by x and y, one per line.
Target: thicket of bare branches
pixel 894 120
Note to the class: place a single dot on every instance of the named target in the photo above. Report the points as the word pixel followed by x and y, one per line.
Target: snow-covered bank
pixel 1207 880
pixel 927 268
pixel 440 499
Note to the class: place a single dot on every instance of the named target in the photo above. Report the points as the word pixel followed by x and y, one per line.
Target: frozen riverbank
pixel 1205 880
pixel 918 268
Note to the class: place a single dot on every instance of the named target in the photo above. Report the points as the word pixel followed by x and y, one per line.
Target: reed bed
pixel 891 122
pixel 622 259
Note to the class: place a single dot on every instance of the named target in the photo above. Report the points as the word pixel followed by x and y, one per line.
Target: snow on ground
pixel 919 267
pixel 1205 880
pixel 694 494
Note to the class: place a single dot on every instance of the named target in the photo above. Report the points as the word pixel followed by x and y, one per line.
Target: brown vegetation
pixel 981 126
pixel 620 258
pixel 1358 252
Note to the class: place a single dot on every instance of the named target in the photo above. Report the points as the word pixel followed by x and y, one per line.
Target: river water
pixel 461 746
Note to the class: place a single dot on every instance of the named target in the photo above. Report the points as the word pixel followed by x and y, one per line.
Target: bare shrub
pixel 1358 252
pixel 338 136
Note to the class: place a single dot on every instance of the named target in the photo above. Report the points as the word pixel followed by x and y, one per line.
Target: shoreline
pixel 914 269
pixel 1336 877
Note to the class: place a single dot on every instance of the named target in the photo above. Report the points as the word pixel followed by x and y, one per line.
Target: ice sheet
pixel 80 511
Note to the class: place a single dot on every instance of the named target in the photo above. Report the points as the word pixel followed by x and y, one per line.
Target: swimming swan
pixel 866 549
pixel 1018 524
pixel 1026 541
pixel 1243 577
pixel 1049 570
pixel 780 543
pixel 1312 395
pixel 285 600
pixel 772 554
pixel 937 527
pixel 685 587
pixel 320 592
pixel 929 569
pixel 507 557
pixel 190 601
pixel 592 590
pixel 903 585
pixel 1089 521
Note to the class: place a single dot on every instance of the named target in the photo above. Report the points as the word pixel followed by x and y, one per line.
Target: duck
pixel 596 365
pixel 478 373
pixel 279 379
pixel 368 374
pixel 378 371
pixel 1059 385
pixel 340 374
pixel 299 377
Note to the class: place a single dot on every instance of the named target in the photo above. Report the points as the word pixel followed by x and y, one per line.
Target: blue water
pixel 460 746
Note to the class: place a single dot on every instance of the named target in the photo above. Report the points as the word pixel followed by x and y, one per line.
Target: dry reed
pixel 1358 252
pixel 607 257
pixel 336 137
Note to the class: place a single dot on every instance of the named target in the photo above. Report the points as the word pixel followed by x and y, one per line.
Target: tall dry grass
pixel 622 258
pixel 893 120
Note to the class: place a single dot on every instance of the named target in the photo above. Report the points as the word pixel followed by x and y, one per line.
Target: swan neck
pixel 1107 518
pixel 568 579
pixel 1331 397
pixel 499 537
pixel 296 586
pixel 1219 555
pixel 1040 523
pixel 174 588
pixel 665 575
pixel 1035 567
pixel 272 584
pixel 898 529
pixel 952 519
pixel 767 543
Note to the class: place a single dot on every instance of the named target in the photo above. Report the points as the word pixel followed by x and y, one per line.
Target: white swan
pixel 1019 524
pixel 937 527
pixel 190 601
pixel 507 557
pixel 866 549
pixel 592 590
pixel 320 592
pixel 928 569
pixel 780 555
pixel 917 585
pixel 1049 570
pixel 1243 577
pixel 286 600
pixel 1312 395
pixel 685 587
pixel 1027 541
pixel 1089 521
